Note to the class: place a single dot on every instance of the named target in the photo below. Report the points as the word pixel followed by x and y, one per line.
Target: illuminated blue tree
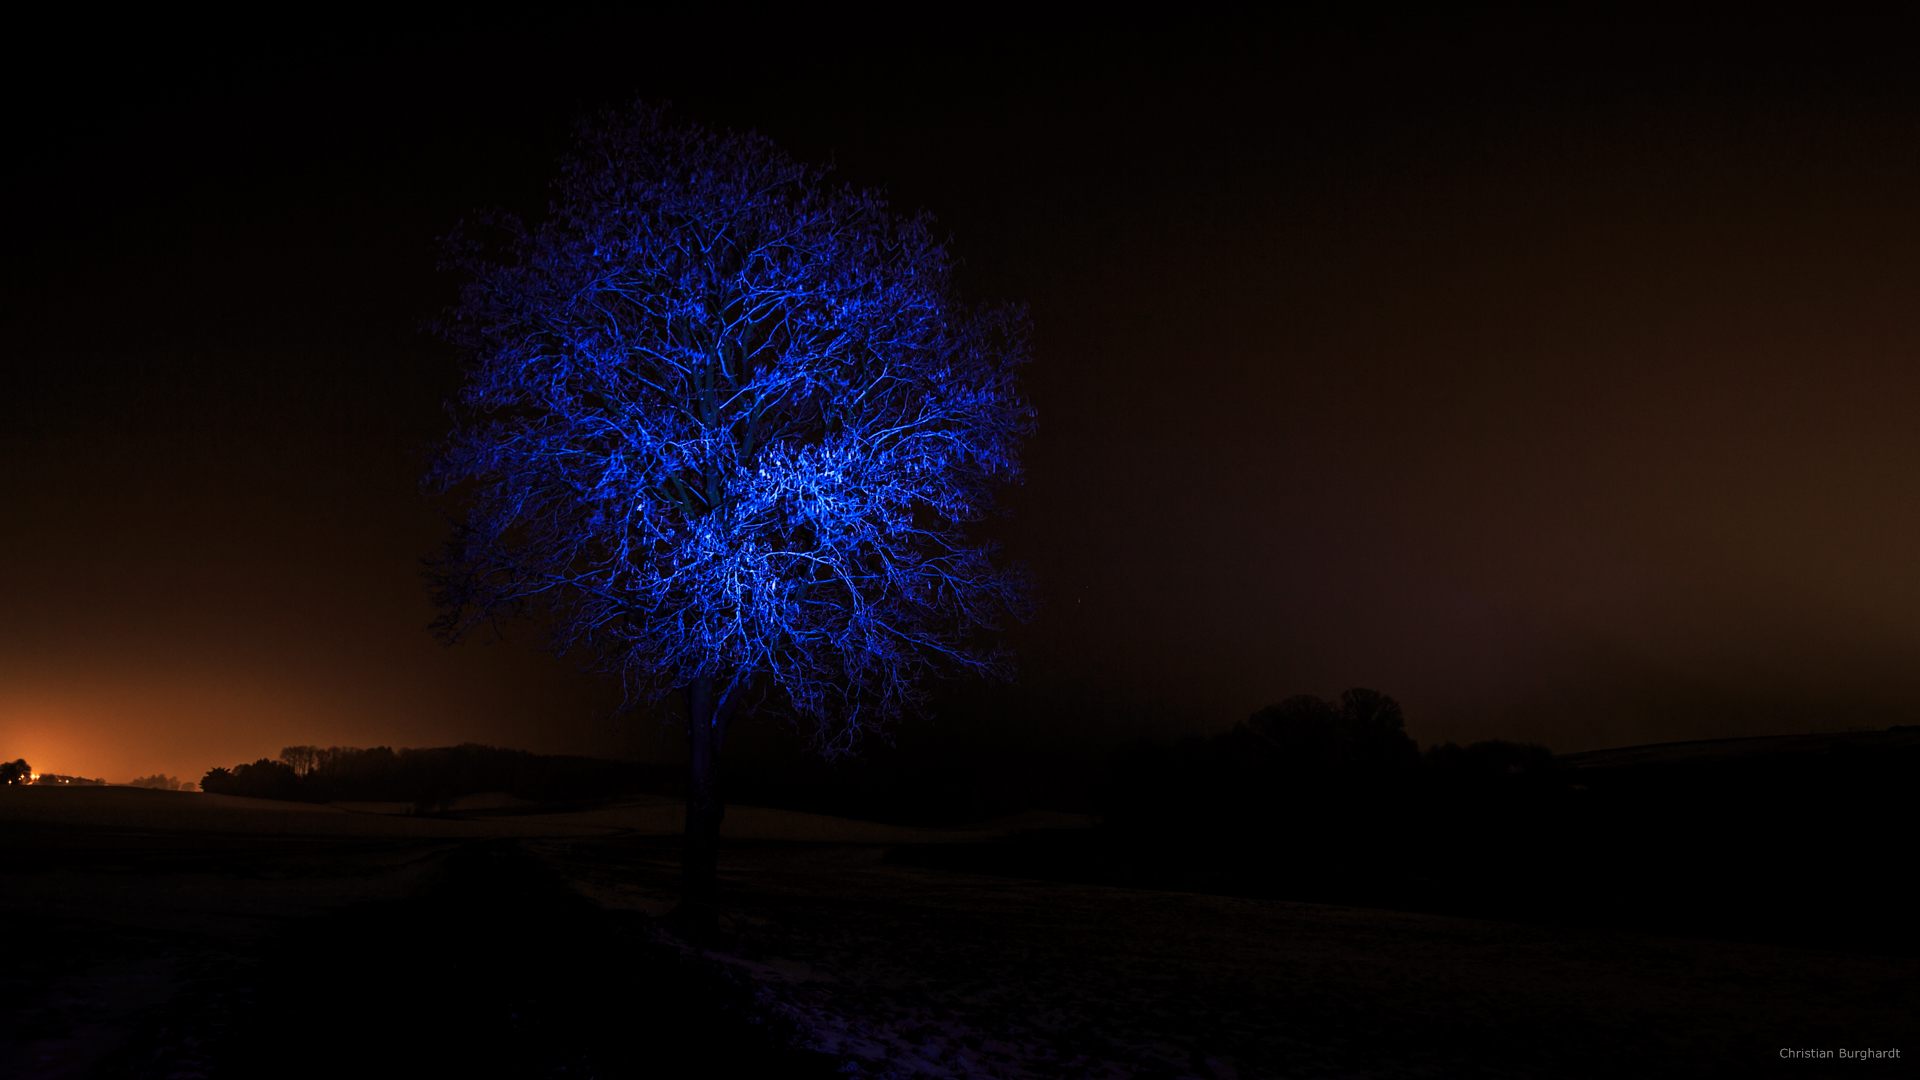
pixel 723 428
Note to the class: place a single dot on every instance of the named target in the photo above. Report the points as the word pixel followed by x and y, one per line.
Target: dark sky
pixel 1558 379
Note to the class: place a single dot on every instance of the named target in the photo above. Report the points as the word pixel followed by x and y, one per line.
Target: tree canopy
pixel 726 423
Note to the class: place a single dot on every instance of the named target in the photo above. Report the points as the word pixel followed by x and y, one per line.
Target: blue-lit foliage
pixel 726 421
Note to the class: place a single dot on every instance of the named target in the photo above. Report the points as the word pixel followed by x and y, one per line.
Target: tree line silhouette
pixel 1333 802
pixel 1308 780
pixel 433 777
pixel 1797 843
pixel 160 782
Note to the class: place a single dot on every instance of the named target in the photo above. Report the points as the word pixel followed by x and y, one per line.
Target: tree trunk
pixel 708 708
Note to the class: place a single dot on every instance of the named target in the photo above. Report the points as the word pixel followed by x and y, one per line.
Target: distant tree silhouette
pixel 724 426
pixel 263 779
pixel 157 782
pixel 1301 733
pixel 301 759
pixel 16 771
pixel 1365 732
pixel 1344 766
pixel 1374 732
pixel 266 779
pixel 433 776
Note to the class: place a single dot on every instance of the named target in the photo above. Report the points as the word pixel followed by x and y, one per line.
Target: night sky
pixel 1557 379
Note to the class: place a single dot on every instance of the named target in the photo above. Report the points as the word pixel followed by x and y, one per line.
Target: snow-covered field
pixel 919 972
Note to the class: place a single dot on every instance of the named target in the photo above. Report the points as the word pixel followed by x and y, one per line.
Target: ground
pixel 171 934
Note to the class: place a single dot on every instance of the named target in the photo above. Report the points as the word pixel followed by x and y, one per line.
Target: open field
pixel 171 934
pixel 956 974
pixel 472 818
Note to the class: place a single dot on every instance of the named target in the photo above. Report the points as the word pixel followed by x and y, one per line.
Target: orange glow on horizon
pixel 176 725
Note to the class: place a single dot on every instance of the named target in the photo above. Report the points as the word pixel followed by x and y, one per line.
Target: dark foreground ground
pixel 359 946
pixel 489 967
pixel 493 970
pixel 930 972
